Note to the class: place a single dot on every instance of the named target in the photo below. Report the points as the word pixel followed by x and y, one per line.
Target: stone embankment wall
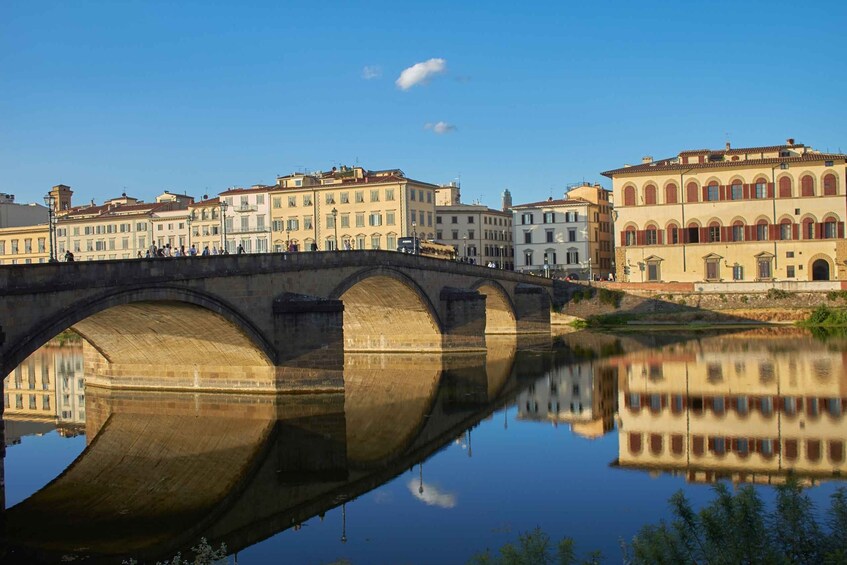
pixel 669 304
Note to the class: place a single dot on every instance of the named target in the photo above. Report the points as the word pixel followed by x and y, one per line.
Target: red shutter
pixel 818 230
pixel 840 229
pixel 660 237
pixel 773 232
pixel 704 235
pixel 795 231
pixel 745 191
pixel 722 192
pixel 705 193
pixel 639 237
pixel 623 239
pixel 749 233
pixel 770 190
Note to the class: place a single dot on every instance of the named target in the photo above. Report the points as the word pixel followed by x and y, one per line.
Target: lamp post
pixel 224 206
pixel 414 237
pixel 50 201
pixel 335 226
pixel 188 221
pixel 502 259
pixel 465 253
pixel 287 236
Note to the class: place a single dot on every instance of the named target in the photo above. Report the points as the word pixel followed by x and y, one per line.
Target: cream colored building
pixel 350 208
pixel 480 234
pixel 206 225
pixel 247 219
pixel 745 214
pixel 747 407
pixel 24 245
pixel 568 236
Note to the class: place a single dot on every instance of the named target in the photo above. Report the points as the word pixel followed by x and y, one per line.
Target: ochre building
pixel 747 214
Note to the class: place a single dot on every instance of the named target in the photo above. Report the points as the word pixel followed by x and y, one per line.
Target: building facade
pixel 350 208
pixel 24 245
pixel 480 234
pixel 747 214
pixel 570 236
pixel 206 226
pixel 247 219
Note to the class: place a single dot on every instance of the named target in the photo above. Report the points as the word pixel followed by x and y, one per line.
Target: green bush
pixel 611 297
pixel 834 295
pixel 744 298
pixel 824 315
pixel 778 293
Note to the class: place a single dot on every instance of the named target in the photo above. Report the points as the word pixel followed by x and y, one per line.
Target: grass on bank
pixel 732 528
pixel 825 316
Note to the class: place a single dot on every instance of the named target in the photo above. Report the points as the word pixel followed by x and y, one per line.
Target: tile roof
pixel 550 202
pixel 742 150
pixel 263 188
pixel 672 163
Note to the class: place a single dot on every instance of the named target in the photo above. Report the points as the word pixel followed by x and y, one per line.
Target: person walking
pixel 240 249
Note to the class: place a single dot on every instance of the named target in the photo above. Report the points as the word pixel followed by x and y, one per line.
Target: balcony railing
pixel 245 208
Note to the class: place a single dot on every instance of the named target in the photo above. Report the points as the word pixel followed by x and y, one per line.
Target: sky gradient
pixel 197 97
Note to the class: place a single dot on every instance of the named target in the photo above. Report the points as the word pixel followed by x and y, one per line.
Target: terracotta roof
pixel 208 202
pixel 670 165
pixel 263 188
pixel 742 150
pixel 105 210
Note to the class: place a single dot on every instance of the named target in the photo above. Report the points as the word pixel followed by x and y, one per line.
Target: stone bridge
pixel 163 469
pixel 285 319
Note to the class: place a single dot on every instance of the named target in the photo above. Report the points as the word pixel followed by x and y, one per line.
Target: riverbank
pixel 605 307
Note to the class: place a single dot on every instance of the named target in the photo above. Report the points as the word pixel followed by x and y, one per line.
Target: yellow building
pixel 350 208
pixel 751 407
pixel 206 226
pixel 24 245
pixel 746 214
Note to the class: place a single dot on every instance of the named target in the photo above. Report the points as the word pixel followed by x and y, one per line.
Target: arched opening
pixel 499 312
pixel 386 311
pixel 820 270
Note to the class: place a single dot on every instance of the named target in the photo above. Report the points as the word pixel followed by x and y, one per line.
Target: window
pixel 713 269
pixel 713 192
pixel 789 272
pixel 809 228
pixel 329 198
pixel 389 196
pixel 360 196
pixel 292 201
pixel 785 187
pixel 277 203
pixel 548 235
pixel 693 233
pixel 375 241
pixel 830 229
pixel 650 194
pixel 345 220
pixel 307 200
pixel 737 191
pixel 629 196
pixel 785 230
pixel 375 219
pixel 375 195
pixel 526 219
pixel 572 234
pixel 761 190
pixel 572 256
pixel 653 271
pixel 671 194
pixel 345 197
pixel 454 219
pixel 527 257
pixel 360 219
pixel 455 234
pixel 737 272
pixel 389 221
pixel 807 186
pixel 307 222
pixel 527 237
pixel 764 268
pixel 630 237
pixel 548 217
pixel 738 232
pixel 714 233
pixel 691 192
pixel 762 231
pixel 470 219
pixel 651 236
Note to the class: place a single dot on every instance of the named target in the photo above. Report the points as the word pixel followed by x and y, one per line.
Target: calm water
pixel 422 459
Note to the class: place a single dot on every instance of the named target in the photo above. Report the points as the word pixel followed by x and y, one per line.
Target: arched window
pixel 760 188
pixel 693 233
pixel 629 196
pixel 714 232
pixel 762 230
pixel 830 185
pixel 634 442
pixel 830 228
pixel 671 194
pixel 736 191
pixel 807 186
pixel 629 236
pixel 785 228
pixel 713 191
pixel 808 228
pixel 738 231
pixel 691 192
pixel 649 194
pixel 651 235
pixel 656 444
pixel 672 234
pixel 785 187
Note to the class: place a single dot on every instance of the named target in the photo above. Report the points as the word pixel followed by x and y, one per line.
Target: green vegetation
pixel 579 324
pixel 204 554
pixel 778 293
pixel 605 320
pixel 744 298
pixel 825 315
pixel 733 528
pixel 611 297
pixel 834 295
pixel 580 295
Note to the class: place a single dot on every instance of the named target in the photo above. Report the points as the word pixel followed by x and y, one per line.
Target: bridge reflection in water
pixel 163 469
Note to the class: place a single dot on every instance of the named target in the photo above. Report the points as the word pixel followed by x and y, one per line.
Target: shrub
pixel 823 315
pixel 611 297
pixel 744 298
pixel 778 293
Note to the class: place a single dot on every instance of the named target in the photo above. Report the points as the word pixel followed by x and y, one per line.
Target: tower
pixel 507 200
pixel 62 198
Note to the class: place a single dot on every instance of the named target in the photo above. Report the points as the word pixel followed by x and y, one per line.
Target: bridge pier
pixel 309 339
pixel 532 309
pixel 463 316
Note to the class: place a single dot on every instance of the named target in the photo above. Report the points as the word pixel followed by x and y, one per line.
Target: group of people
pixel 168 251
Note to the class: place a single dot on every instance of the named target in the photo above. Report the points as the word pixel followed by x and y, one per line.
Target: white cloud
pixel 371 72
pixel 431 495
pixel 420 73
pixel 440 127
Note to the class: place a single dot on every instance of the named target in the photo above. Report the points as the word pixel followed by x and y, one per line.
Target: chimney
pixel 790 141
pixel 646 159
pixel 727 146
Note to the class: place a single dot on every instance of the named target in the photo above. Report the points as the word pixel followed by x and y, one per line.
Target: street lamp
pixel 188 221
pixel 502 259
pixel 50 201
pixel 414 237
pixel 224 206
pixel 466 246
pixel 335 225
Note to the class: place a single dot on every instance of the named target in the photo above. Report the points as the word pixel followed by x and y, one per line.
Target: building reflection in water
pixel 163 469
pixel 748 407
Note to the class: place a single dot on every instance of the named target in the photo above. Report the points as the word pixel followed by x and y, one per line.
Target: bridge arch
pixel 155 325
pixel 387 310
pixel 500 315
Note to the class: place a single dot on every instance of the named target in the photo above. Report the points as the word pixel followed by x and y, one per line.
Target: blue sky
pixel 199 96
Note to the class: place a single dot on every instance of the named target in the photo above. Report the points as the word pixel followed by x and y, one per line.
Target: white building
pixel 247 219
pixel 569 236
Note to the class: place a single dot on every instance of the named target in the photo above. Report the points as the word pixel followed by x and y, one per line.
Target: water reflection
pixel 160 470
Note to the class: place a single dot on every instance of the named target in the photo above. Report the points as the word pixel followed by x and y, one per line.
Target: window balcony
pixel 245 208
